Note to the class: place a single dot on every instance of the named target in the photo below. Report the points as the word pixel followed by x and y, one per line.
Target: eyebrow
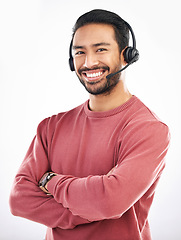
pixel 93 45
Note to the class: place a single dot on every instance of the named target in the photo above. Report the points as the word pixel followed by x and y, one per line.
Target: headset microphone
pixel 112 74
pixel 130 54
pixel 122 69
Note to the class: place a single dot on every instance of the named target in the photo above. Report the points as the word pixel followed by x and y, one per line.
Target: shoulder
pixel 145 124
pixel 49 124
pixel 142 115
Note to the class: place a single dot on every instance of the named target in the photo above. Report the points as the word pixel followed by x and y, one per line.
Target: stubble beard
pixel 105 88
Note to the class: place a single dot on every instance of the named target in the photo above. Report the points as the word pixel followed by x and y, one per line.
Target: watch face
pixel 43 181
pixel 46 177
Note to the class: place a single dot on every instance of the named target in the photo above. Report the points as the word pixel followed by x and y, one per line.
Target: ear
pixel 123 62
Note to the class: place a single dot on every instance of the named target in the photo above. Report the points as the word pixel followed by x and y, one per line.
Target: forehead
pixel 94 33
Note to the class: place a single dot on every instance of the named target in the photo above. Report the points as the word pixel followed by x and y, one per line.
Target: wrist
pixel 44 181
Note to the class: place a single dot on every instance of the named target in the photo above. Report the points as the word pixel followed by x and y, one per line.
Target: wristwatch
pixel 45 179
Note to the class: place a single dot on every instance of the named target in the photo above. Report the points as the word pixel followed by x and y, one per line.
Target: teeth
pixel 92 75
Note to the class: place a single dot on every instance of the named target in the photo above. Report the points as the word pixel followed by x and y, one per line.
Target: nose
pixel 90 60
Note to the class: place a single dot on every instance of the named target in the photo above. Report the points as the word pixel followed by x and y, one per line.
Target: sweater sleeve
pixel 141 161
pixel 28 200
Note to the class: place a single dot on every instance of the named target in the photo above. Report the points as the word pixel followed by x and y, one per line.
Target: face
pixel 96 54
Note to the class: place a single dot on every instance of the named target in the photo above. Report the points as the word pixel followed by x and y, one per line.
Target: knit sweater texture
pixel 108 166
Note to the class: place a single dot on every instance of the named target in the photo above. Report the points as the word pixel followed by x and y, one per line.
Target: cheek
pixel 78 63
pixel 113 61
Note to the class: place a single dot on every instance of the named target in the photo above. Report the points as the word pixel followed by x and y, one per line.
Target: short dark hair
pixel 106 17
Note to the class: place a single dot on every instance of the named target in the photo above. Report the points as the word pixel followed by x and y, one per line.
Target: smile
pixel 93 75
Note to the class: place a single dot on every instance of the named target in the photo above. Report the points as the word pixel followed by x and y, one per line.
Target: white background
pixel 35 82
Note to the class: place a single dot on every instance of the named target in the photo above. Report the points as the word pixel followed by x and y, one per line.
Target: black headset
pixel 130 54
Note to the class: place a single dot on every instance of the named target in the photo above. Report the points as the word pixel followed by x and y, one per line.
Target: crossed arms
pixel 74 201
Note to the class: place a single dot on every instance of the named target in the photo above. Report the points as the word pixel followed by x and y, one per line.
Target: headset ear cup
pixel 131 55
pixel 71 64
pixel 126 54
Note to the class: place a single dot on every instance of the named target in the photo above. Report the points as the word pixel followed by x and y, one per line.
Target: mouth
pixel 93 75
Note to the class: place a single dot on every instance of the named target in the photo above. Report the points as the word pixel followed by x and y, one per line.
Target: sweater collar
pixel 111 112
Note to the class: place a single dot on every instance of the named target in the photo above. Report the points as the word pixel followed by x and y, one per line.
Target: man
pixel 91 173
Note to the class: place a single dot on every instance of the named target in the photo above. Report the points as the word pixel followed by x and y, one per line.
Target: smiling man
pixel 96 57
pixel 90 173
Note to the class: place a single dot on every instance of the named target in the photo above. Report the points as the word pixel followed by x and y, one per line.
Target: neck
pixel 118 96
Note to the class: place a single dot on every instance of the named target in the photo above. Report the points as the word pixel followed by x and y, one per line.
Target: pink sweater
pixel 90 202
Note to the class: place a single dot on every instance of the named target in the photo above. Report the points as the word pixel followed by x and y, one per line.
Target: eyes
pixel 79 53
pixel 99 50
